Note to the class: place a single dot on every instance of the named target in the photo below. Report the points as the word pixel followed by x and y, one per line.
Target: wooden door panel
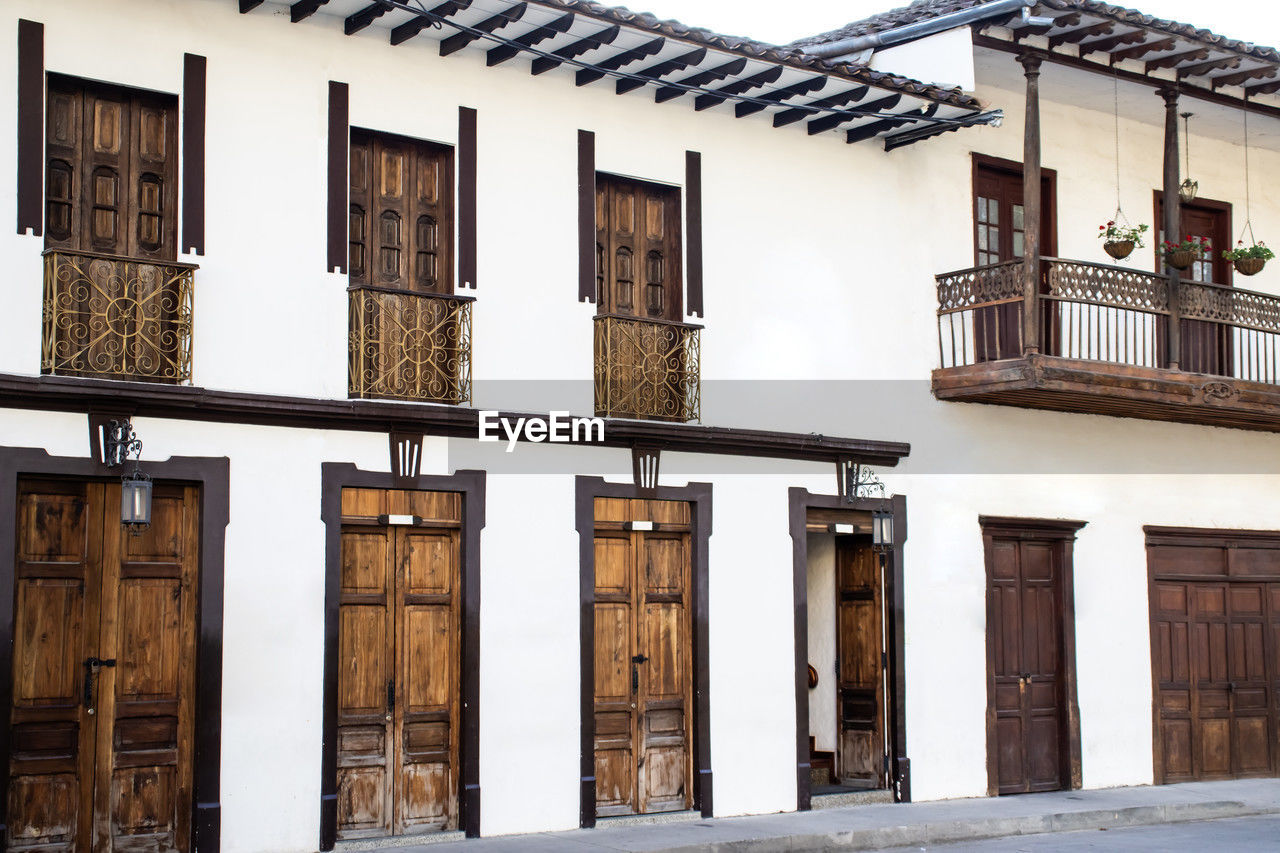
pixel 859 645
pixel 638 248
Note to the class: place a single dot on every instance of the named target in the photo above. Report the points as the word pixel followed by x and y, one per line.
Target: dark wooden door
pixel 102 717
pixel 1026 664
pixel 643 652
pixel 111 170
pixel 398 647
pixel 638 253
pixel 1206 347
pixel 861 748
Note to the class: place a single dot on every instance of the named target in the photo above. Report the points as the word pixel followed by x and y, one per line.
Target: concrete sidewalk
pixel 887 825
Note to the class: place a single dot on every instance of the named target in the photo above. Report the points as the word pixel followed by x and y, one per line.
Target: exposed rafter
pixel 1068 20
pixel 1203 68
pixel 737 87
pixel 668 93
pixel 1262 89
pixel 620 60
pixel 503 52
pixel 1106 45
pixel 1081 34
pixel 415 25
pixel 804 87
pixel 459 40
pixel 831 102
pixel 357 21
pixel 249 5
pixel 831 122
pixel 1175 59
pixel 545 63
pixel 1242 77
pixel 1142 49
pixel 304 9
pixel 657 72
pixel 875 128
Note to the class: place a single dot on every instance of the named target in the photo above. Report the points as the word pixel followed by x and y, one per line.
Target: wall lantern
pixel 135 487
pixel 1188 188
pixel 882 529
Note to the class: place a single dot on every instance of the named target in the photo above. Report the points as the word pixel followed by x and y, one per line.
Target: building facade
pixel 299 250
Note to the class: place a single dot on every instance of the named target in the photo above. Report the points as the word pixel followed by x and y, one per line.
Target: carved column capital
pixel 1170 94
pixel 1030 63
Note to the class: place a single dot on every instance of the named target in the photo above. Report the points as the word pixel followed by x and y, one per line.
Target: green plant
pixel 1113 233
pixel 1257 250
pixel 1197 245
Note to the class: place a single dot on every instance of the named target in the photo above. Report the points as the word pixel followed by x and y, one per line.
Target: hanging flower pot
pixel 1184 254
pixel 1119 241
pixel 1249 260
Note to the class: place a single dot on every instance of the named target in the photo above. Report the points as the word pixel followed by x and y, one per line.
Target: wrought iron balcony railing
pixel 117 318
pixel 409 346
pixel 647 369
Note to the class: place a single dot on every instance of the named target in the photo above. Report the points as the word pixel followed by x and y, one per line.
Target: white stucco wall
pixel 819 265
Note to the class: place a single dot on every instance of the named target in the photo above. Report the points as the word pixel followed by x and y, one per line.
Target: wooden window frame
pixel 1049 203
pixel 1223 207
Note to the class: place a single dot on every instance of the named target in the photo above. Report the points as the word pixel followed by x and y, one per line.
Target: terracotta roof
pixel 926 9
pixel 788 55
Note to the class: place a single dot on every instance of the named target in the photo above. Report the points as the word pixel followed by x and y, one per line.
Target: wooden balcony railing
pixel 980 314
pixel 116 318
pixel 647 369
pixel 409 346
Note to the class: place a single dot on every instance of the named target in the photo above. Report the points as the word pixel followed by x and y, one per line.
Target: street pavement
pixel 1230 835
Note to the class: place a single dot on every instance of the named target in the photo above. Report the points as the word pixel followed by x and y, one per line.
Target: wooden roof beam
pixel 737 87
pixel 1262 89
pixel 1241 77
pixel 304 9
pixel 1106 45
pixel 875 128
pixel 418 23
pixel 459 40
pixel 1175 59
pixel 545 63
pixel 249 5
pixel 804 87
pixel 1203 68
pixel 702 78
pixel 357 21
pixel 618 60
pixel 842 99
pixel 1068 20
pixel 503 52
pixel 1142 49
pixel 1080 34
pixel 831 122
pixel 662 69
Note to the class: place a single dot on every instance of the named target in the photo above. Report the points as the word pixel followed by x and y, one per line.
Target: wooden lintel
pixel 304 9
pixel 249 5
pixel 738 87
pixel 1106 45
pixel 1173 60
pixel 1203 68
pixel 804 87
pixel 1241 77
pixel 606 36
pixel 702 78
pixel 619 60
pixel 458 41
pixel 1142 49
pixel 832 102
pixel 417 24
pixel 357 21
pixel 831 122
pixel 1081 33
pixel 657 72
pixel 503 52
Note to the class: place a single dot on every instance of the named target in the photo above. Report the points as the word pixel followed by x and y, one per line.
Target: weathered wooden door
pixel 859 662
pixel 638 249
pixel 399 659
pixel 102 717
pixel 643 654
pixel 1025 638
pixel 1206 347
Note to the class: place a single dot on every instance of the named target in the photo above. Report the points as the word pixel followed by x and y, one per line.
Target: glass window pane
pixel 1017 244
pixel 982 238
pixel 1017 217
pixel 993 211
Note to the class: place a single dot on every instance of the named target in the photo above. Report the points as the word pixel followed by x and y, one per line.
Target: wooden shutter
pixel 193 115
pixel 638 263
pixel 30 121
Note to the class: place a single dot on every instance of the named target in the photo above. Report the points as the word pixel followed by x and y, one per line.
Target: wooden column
pixel 1031 206
pixel 1172 219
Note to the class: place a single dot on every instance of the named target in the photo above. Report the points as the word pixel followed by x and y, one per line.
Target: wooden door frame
pixel 800 501
pixel 212 475
pixel 586 490
pixel 470 484
pixel 1227 539
pixel 1222 207
pixel 1063 534
pixel 1049 204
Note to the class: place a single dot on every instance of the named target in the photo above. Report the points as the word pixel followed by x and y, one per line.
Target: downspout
pixel 848 49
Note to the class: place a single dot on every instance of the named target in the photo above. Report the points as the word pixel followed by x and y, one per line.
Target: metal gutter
pixel 845 48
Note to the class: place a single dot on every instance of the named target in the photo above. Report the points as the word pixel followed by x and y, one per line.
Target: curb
pixel 942 832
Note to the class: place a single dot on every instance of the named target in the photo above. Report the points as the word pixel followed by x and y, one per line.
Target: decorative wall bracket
pixel 855 480
pixel 644 469
pixel 406 457
pixel 100 434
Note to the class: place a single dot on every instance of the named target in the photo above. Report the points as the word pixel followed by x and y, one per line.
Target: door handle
pixel 91 667
pixel 639 658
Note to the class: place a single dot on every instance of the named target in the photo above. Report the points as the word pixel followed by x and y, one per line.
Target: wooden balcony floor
pixel 1105 388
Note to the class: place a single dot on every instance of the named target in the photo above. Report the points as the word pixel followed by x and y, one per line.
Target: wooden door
pixel 643 655
pixel 638 252
pixel 861 748
pixel 399 659
pixel 999 235
pixel 1206 347
pixel 102 718
pixel 111 170
pixel 1025 641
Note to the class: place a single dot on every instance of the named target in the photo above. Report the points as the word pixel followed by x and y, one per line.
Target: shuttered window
pixel 638 249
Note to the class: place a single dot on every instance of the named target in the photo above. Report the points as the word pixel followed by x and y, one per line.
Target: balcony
pixel 406 345
pixel 647 369
pixel 1105 344
pixel 116 318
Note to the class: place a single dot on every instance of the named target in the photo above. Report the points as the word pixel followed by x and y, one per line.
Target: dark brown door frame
pixel 586 490
pixel 334 477
pixel 800 502
pixel 1063 534
pixel 1049 203
pixel 212 475
pixel 1223 269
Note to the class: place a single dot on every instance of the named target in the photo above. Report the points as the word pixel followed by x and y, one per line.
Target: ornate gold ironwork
pixel 647 369
pixel 116 317
pixel 409 346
